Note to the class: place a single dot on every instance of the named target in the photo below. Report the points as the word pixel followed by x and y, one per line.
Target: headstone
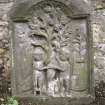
pixel 51 52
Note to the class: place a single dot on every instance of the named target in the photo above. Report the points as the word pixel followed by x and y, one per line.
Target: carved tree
pixel 50 29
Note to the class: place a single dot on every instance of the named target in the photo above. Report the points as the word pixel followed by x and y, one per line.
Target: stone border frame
pixel 18 16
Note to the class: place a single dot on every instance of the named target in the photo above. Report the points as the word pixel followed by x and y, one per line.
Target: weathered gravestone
pixel 51 48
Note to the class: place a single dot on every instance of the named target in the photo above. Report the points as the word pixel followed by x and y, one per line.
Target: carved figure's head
pixel 55 44
pixel 39 54
pixel 64 54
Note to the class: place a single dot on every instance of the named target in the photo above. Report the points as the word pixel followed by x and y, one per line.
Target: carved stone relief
pixel 51 53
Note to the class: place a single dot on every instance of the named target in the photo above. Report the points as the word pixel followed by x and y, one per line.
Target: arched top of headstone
pixel 22 8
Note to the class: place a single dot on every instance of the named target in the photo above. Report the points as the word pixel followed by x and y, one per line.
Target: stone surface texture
pixel 97 11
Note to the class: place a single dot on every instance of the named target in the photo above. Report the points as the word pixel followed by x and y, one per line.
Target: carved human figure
pixel 38 73
pixel 54 70
pixel 64 58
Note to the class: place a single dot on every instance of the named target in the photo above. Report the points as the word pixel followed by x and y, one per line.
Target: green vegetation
pixel 10 101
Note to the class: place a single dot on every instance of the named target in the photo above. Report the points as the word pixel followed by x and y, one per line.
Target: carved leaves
pixel 51 23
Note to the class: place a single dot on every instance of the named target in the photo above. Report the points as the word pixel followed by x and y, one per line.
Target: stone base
pixel 55 101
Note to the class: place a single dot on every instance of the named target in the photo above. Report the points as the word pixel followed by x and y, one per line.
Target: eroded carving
pixel 59 52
